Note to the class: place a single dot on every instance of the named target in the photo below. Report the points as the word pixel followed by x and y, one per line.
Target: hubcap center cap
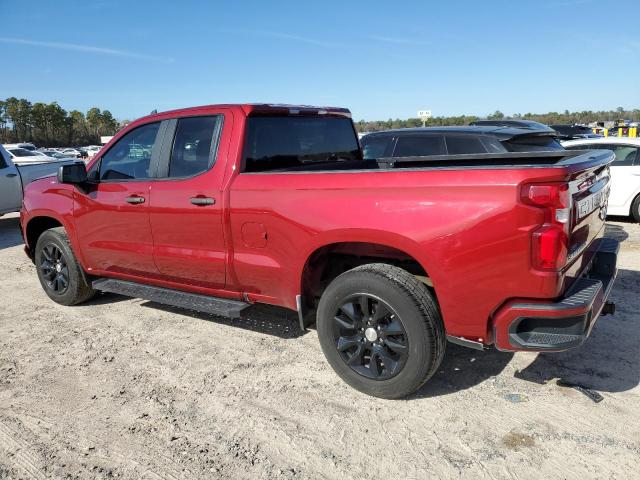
pixel 58 267
pixel 371 334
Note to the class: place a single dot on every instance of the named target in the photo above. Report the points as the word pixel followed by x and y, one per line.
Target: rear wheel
pixel 380 330
pixel 635 209
pixel 59 272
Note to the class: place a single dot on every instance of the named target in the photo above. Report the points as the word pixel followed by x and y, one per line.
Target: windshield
pixel 282 143
pixel 21 152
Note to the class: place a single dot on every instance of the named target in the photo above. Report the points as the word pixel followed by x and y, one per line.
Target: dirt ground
pixel 123 388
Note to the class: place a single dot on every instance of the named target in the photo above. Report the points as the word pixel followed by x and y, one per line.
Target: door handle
pixel 135 200
pixel 203 201
pixel 11 175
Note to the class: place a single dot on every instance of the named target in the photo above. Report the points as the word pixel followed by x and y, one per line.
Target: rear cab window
pixel 300 143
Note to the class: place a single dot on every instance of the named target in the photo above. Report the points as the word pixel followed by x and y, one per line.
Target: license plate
pixel 589 204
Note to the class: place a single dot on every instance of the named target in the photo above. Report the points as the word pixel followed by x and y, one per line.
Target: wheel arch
pixel 39 222
pixel 325 262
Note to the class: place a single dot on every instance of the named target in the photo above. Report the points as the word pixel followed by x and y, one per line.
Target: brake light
pixel 550 242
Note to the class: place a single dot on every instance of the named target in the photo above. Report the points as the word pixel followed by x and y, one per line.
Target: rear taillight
pixel 550 242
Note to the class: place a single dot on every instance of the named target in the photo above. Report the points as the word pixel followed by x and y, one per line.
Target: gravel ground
pixel 122 388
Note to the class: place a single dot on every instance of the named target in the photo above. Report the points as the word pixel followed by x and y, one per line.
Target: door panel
pixel 114 234
pixel 186 210
pixel 112 214
pixel 624 184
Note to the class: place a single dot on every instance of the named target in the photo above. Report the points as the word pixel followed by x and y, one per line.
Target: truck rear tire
pixel 381 330
pixel 59 272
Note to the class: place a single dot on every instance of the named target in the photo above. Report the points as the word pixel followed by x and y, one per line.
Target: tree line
pixel 551 118
pixel 52 126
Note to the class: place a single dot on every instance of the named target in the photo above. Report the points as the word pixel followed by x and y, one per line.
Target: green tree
pixel 94 117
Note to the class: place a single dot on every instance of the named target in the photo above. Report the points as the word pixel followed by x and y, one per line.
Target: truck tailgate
pixel 589 187
pixel 589 195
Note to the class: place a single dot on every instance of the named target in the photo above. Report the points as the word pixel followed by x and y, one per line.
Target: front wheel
pixel 380 330
pixel 59 272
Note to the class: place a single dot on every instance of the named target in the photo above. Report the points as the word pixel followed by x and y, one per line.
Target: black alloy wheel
pixel 55 270
pixel 370 337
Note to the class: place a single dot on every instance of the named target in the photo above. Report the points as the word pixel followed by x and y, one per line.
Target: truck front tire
pixel 381 330
pixel 59 272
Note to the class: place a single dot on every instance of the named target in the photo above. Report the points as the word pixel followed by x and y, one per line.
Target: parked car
pixel 275 204
pixel 13 179
pixel 72 152
pixel 92 150
pixel 625 172
pixel 21 156
pixel 570 132
pixel 430 141
pixel 55 154
pixel 24 145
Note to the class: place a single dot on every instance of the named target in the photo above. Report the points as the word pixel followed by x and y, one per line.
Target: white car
pixel 21 156
pixel 625 172
pixel 92 150
pixel 71 152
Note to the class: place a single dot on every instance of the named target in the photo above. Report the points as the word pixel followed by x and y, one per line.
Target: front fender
pixel 46 198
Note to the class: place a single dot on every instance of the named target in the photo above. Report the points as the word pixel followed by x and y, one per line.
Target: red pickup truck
pixel 218 207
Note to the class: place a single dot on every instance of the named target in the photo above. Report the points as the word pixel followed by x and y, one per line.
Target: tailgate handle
pixel 202 201
pixel 135 200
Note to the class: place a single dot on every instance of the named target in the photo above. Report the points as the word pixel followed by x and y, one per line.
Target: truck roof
pixel 255 109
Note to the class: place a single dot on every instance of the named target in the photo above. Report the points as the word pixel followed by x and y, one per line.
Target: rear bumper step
pixel 190 301
pixel 535 325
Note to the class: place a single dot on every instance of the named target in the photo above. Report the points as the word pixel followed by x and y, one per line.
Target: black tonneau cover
pixel 516 159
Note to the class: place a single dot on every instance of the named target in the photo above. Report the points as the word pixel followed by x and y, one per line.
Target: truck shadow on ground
pixel 10 232
pixel 463 368
pixel 609 360
pixel 616 231
pixel 265 319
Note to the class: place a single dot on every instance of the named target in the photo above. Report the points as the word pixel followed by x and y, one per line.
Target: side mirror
pixel 74 173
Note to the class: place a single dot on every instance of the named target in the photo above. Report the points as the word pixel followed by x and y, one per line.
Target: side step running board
pixel 176 298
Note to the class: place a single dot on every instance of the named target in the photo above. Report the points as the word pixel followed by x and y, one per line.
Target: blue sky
pixel 380 59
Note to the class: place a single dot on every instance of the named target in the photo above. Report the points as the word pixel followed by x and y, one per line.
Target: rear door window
pixel 464 144
pixel 419 145
pixel 194 145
